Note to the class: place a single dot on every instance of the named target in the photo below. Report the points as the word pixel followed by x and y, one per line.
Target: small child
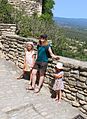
pixel 29 60
pixel 58 85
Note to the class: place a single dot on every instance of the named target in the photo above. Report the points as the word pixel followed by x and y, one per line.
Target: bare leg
pixel 34 77
pixel 30 78
pixel 60 95
pixel 29 87
pixel 32 81
pixel 56 95
pixel 21 76
pixel 41 81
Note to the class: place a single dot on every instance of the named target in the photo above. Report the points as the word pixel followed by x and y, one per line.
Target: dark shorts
pixel 41 67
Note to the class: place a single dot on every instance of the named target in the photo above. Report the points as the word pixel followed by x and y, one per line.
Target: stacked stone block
pixel 28 6
pixel 7 28
pixel 14 47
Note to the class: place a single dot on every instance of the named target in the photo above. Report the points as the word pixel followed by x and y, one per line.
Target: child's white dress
pixel 29 60
pixel 59 85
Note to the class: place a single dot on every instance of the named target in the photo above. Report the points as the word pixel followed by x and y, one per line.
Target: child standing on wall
pixel 29 60
pixel 58 86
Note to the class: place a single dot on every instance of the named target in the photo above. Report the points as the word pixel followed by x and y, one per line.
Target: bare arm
pixel 33 58
pixel 36 56
pixel 52 55
pixel 58 76
pixel 24 60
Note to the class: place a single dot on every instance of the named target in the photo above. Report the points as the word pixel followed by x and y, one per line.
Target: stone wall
pixel 75 72
pixel 29 6
pixel 13 48
pixel 7 29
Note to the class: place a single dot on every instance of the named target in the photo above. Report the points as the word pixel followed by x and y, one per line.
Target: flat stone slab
pixel 17 103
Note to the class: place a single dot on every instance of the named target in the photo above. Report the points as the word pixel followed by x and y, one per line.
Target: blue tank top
pixel 42 55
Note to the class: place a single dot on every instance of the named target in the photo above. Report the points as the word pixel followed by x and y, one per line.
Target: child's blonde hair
pixel 31 43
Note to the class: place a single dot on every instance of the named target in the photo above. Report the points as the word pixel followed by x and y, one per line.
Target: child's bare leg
pixel 30 81
pixel 21 76
pixel 60 95
pixel 34 77
pixel 56 95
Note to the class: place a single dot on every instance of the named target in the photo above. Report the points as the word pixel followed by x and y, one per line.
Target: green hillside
pixel 74 33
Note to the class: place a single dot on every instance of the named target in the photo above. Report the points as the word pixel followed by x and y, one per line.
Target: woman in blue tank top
pixel 41 62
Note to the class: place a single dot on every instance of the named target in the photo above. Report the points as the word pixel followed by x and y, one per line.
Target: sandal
pixel 37 89
pixel 29 88
pixel 20 77
pixel 56 99
pixel 59 102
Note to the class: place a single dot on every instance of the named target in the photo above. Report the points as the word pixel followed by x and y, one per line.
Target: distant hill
pixel 73 38
pixel 72 22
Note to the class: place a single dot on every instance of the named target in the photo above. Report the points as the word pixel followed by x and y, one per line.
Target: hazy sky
pixel 70 8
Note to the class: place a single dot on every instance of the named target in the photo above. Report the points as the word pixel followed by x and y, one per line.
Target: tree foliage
pixel 6 11
pixel 47 6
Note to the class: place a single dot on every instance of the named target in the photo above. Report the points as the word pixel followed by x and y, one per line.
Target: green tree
pixel 6 12
pixel 47 6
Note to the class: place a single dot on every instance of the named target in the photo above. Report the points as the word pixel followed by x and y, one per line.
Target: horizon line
pixel 70 17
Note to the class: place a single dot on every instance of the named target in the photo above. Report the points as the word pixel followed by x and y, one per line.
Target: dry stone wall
pixel 7 29
pixel 29 6
pixel 75 72
pixel 13 48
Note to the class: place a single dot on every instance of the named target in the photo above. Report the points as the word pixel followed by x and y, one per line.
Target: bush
pixel 6 11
